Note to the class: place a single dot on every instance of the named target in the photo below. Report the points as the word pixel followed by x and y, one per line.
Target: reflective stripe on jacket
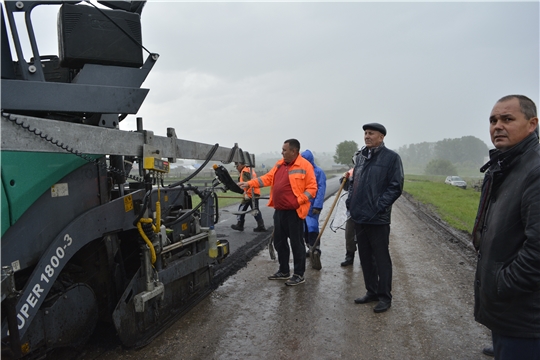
pixel 302 179
pixel 245 176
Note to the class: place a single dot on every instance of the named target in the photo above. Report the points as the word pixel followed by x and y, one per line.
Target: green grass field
pixel 454 205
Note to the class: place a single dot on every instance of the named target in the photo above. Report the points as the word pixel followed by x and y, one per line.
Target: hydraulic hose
pixel 158 211
pixel 143 208
pixel 145 238
pixel 156 228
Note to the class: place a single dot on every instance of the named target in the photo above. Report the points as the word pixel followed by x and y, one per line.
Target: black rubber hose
pixel 145 205
pixel 196 172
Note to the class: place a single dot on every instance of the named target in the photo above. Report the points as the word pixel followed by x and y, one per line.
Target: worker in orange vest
pixel 245 175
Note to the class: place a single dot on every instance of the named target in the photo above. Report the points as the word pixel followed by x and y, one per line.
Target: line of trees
pixel 466 152
pixel 443 157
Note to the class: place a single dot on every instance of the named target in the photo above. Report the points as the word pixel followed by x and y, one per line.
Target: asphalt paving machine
pixel 90 231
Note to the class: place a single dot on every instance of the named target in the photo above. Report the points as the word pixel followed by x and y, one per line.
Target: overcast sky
pixel 259 73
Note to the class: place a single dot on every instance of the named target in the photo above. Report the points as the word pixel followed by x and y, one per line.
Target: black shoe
pixel 295 280
pixel 382 306
pixel 308 253
pixel 279 276
pixel 347 262
pixel 488 350
pixel 366 299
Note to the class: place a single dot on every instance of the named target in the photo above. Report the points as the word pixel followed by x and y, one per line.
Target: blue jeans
pixel 512 348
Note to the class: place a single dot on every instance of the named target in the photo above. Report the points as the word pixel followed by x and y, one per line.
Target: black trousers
pixel 375 259
pixel 287 225
pixel 510 348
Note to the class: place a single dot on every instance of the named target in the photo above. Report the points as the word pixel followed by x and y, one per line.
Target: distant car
pixel 456 181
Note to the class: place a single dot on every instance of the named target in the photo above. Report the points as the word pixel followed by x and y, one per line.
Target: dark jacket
pixel 507 284
pixel 377 182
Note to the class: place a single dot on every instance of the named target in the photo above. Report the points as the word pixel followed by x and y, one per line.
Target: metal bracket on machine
pixel 153 287
pixel 171 134
pixel 248 161
pixel 231 154
pixel 142 298
pixel 242 156
pixel 149 150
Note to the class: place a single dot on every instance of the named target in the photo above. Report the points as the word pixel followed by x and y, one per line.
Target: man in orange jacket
pixel 250 195
pixel 293 185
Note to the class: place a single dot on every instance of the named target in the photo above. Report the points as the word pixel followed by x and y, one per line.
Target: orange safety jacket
pixel 302 179
pixel 245 176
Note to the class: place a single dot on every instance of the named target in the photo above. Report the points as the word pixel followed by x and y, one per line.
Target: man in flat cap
pixel 377 182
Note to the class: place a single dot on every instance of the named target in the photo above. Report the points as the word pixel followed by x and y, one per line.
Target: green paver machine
pixel 90 233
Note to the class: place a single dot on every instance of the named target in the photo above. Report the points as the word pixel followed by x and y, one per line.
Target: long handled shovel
pixel 314 253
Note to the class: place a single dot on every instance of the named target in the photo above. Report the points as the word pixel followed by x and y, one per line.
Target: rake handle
pixel 330 212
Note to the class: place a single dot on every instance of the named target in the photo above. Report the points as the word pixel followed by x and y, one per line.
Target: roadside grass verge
pixel 454 205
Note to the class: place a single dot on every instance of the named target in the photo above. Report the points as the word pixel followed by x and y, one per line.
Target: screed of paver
pixel 250 317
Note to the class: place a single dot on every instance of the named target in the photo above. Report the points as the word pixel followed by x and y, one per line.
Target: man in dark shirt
pixel 376 184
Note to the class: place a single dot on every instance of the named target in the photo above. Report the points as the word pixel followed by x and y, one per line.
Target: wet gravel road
pixel 250 317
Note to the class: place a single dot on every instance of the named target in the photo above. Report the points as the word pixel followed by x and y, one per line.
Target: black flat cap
pixel 375 126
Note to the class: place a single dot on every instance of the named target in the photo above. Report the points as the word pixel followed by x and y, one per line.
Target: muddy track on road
pixel 458 240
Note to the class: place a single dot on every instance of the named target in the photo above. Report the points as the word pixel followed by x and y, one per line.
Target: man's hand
pixel 242 184
pixel 345 176
pixel 316 211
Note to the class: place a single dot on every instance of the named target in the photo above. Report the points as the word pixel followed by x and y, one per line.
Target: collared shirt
pixel 284 198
